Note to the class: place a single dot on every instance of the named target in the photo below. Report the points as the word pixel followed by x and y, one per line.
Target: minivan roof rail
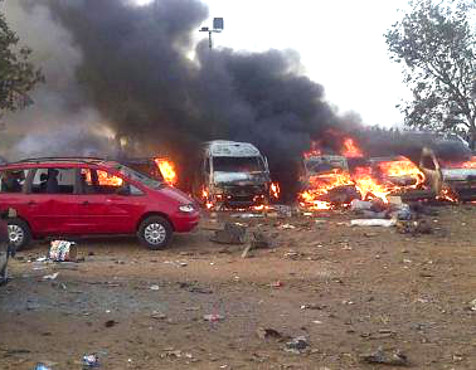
pixel 62 159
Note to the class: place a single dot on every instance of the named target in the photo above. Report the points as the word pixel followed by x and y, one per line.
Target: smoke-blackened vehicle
pixel 325 180
pixel 453 180
pixel 233 175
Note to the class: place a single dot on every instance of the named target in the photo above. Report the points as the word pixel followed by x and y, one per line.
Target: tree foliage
pixel 436 42
pixel 17 75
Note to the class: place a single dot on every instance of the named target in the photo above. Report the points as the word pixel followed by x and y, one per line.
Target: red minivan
pixel 63 197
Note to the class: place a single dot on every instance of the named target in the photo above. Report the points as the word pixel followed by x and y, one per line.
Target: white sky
pixel 341 45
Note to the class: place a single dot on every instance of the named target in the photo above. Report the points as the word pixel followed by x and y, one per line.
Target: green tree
pixel 436 42
pixel 17 75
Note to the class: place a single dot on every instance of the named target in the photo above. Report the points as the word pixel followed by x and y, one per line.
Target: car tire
pixel 155 232
pixel 19 233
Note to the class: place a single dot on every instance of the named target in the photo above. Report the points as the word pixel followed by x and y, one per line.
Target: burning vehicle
pixel 325 181
pixel 330 181
pixel 453 180
pixel 233 175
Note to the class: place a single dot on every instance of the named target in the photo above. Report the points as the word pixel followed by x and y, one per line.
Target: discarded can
pixel 90 361
pixel 62 251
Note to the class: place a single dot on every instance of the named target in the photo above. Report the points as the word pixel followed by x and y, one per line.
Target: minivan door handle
pixel 85 203
pixel 31 203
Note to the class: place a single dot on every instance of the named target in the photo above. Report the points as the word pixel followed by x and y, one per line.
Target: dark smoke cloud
pixel 138 74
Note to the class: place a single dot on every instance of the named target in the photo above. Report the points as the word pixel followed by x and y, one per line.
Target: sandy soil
pixel 348 291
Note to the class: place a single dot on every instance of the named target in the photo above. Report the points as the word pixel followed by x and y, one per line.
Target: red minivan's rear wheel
pixel 19 233
pixel 155 232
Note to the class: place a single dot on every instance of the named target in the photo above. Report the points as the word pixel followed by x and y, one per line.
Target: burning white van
pixel 233 175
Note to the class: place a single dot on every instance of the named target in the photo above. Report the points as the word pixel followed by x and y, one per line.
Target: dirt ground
pixel 347 290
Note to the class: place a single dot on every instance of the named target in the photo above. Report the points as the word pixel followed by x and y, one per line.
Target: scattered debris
pixel 63 251
pixel 246 251
pixel 177 263
pixel 286 227
pixel 232 233
pixel 213 318
pixel 156 315
pixel 297 345
pixel 260 241
pixel 277 284
pixel 110 323
pixel 373 222
pixel 266 333
pixel 472 305
pixel 51 277
pixel 247 215
pixel 154 287
pixel 312 307
pixel 292 255
pixel 90 361
pixel 414 227
pixel 397 358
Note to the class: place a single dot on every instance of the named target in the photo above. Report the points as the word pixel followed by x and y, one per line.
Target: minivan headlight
pixel 187 208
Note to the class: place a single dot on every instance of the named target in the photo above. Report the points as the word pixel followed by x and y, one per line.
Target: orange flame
pixel 403 167
pixel 321 184
pixel 351 150
pixel 275 190
pixel 448 195
pixel 369 181
pixel 104 178
pixel 167 168
pixel 368 186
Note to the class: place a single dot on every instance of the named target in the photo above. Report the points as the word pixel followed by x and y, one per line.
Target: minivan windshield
pixel 238 164
pixel 140 177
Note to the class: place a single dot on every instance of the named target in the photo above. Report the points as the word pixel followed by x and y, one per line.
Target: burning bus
pixel 233 175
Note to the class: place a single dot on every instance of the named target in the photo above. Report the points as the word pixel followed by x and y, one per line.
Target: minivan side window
pixel 54 181
pixel 12 181
pixel 99 182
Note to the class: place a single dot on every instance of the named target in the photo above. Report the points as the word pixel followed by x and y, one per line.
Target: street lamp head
pixel 218 24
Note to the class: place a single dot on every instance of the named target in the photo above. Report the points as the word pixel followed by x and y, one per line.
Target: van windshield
pixel 140 177
pixel 238 164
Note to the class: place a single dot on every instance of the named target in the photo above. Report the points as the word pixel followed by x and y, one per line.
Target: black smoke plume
pixel 137 71
pixel 138 68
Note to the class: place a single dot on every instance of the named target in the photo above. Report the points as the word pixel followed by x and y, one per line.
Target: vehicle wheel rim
pixel 155 233
pixel 16 234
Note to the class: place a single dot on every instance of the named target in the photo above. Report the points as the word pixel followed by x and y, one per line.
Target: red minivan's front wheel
pixel 155 232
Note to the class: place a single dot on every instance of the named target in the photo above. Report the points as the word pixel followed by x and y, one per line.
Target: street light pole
pixel 217 28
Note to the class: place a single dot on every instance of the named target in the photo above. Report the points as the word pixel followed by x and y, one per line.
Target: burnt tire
pixel 19 233
pixel 155 232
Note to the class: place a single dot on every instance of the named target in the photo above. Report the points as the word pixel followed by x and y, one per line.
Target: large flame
pixel 350 149
pixel 373 181
pixel 320 185
pixel 403 167
pixel 167 168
